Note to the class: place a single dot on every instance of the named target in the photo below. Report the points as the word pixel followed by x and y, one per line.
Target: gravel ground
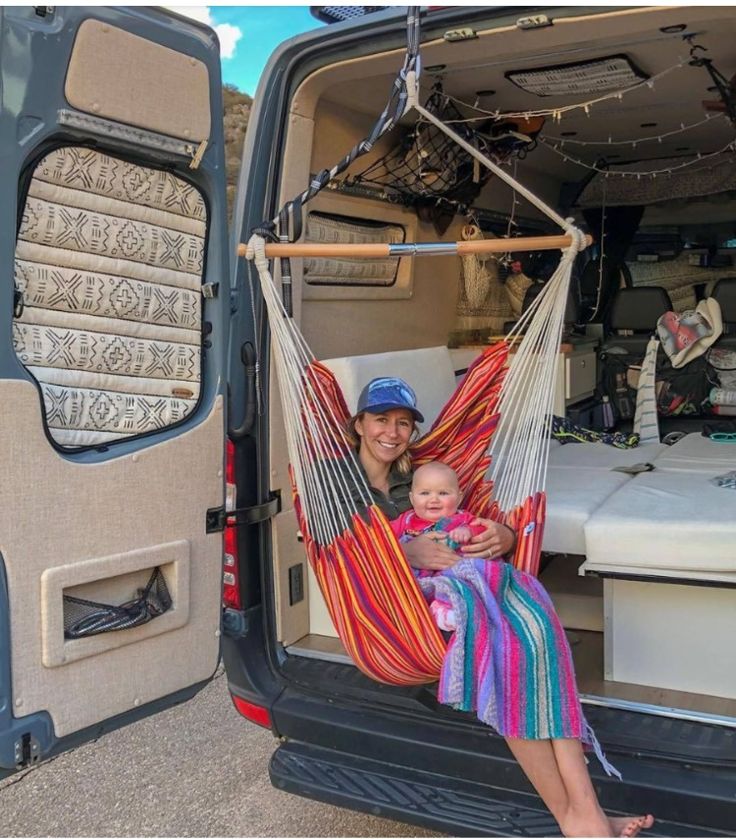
pixel 195 770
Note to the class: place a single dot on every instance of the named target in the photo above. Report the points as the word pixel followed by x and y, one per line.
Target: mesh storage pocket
pixel 86 617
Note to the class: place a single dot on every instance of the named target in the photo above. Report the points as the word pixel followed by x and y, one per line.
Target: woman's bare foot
pixel 629 826
pixel 587 823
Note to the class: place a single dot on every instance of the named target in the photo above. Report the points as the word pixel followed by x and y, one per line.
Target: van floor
pixel 587 649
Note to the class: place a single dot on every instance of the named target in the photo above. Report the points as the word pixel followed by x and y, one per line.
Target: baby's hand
pixel 461 535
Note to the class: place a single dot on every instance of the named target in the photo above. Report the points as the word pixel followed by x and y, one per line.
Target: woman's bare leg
pixel 582 802
pixel 578 816
pixel 558 772
pixel 582 797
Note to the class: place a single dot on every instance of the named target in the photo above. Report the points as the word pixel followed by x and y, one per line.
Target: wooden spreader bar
pixel 381 250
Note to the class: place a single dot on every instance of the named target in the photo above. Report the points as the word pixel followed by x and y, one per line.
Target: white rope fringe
pixel 326 485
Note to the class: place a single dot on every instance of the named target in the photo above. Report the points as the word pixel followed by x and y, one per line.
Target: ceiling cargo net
pixel 426 164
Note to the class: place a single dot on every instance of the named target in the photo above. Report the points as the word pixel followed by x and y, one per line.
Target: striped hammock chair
pixel 496 419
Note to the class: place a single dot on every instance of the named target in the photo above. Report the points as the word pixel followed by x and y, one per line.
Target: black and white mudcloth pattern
pixel 109 263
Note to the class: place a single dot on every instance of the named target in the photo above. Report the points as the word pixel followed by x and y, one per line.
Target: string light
pixel 657 137
pixel 651 173
pixel 557 113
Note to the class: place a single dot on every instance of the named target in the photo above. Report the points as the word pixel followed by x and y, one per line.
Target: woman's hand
pixel 429 552
pixel 496 540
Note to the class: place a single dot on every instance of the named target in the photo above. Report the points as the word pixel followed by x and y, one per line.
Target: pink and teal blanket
pixel 508 658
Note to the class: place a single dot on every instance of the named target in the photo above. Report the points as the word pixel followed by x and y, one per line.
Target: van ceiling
pixel 480 64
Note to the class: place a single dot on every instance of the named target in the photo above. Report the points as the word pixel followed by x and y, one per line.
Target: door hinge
pixel 463 34
pixel 533 22
pixel 27 751
pixel 218 517
pixel 210 290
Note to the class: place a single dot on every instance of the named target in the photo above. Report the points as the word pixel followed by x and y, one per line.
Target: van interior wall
pixel 377 323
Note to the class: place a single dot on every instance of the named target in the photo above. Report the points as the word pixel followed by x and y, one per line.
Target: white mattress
pixel 572 497
pixel 671 522
pixel 697 453
pixel 601 456
pixel 579 480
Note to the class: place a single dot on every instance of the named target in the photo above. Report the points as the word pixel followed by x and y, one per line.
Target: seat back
pixel 572 304
pixel 638 309
pixel 429 371
pixel 724 291
pixel 634 314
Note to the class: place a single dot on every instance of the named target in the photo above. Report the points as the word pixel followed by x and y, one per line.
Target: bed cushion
pixel 696 453
pixel 579 480
pixel 667 522
pixel 429 371
pixel 601 456
pixel 572 497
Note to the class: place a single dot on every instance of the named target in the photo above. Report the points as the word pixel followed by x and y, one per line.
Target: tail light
pixel 255 713
pixel 231 582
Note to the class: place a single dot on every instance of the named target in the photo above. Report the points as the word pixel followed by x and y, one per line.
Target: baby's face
pixel 434 496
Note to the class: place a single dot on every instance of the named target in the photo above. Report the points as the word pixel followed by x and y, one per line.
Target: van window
pixel 324 228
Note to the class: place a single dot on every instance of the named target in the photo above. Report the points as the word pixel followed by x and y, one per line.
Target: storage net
pixel 427 163
pixel 86 617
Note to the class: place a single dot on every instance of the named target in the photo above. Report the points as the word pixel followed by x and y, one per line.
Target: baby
pixel 435 497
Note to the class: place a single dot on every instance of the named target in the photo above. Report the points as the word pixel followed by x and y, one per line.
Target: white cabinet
pixel 576 372
pixel 576 376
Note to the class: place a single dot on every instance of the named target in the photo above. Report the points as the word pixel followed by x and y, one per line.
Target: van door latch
pixel 218 517
pixel 27 751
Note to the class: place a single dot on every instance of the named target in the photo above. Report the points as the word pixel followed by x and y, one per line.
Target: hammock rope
pixel 497 418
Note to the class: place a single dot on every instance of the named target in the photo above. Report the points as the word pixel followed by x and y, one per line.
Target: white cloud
pixel 228 34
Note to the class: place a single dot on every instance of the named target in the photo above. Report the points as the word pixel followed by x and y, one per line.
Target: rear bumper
pixel 437 802
pixel 396 752
pixel 362 751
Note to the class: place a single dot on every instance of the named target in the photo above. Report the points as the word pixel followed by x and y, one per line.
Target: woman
pixel 551 752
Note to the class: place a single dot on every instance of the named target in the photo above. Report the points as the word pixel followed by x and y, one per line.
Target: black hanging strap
pixel 723 86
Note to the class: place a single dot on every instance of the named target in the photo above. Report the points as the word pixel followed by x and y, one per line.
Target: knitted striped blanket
pixel 508 659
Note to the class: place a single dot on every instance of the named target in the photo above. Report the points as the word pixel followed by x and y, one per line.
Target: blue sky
pixel 249 34
pixel 263 29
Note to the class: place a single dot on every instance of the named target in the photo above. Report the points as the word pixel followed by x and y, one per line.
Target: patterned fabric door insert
pixel 109 263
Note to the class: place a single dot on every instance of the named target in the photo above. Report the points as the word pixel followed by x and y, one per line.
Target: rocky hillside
pixel 237 112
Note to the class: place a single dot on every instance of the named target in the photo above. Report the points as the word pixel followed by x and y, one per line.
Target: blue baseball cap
pixel 387 393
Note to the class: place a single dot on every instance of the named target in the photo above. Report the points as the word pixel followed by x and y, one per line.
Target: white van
pixel 147 520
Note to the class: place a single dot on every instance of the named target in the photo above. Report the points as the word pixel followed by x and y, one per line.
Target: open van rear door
pixel 114 290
